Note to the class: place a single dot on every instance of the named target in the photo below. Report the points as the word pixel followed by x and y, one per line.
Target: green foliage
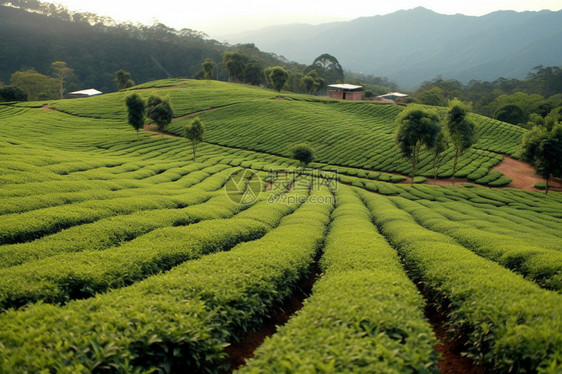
pixel 543 149
pixel 510 113
pixel 208 68
pixel 363 302
pixel 35 85
pixel 234 63
pixel 9 93
pixel 460 130
pixel 418 129
pixel 139 243
pixel 160 111
pixel 328 68
pixel 135 111
pixel 62 72
pixel 303 154
pixel 276 77
pixel 194 132
pixel 123 79
pixel 482 297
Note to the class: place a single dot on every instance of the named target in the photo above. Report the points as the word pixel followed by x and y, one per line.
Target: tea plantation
pixel 118 253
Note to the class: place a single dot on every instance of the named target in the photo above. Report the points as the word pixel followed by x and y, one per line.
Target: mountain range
pixel 412 46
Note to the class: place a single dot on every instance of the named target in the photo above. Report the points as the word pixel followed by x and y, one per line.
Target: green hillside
pixel 357 135
pixel 118 253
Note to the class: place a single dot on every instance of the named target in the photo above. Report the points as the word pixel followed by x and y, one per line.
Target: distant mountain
pixel 410 46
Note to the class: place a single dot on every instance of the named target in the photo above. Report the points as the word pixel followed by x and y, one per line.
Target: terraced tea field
pixel 118 253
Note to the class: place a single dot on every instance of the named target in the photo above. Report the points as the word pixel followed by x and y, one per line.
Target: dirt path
pixel 523 174
pixel 152 128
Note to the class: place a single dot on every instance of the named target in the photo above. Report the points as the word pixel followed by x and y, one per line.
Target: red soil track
pixel 523 175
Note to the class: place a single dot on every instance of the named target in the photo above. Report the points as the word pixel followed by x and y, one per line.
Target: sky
pixel 220 18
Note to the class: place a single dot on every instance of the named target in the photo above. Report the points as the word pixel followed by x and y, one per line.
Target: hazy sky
pixel 220 17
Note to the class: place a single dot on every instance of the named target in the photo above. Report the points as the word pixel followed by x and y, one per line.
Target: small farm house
pixel 84 93
pixel 346 92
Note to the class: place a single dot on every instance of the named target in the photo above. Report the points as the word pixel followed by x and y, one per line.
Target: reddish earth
pixel 239 352
pixel 452 361
pixel 523 175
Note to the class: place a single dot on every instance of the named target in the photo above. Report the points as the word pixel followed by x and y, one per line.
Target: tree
pixel 160 111
pixel 35 85
pixel 12 94
pixel 510 113
pixel 61 73
pixel 208 68
pixel 308 83
pixel 460 130
pixel 438 151
pixel 302 153
pixel 194 132
pixel 543 150
pixel 328 68
pixel 234 63
pixel 253 72
pixel 123 79
pixel 135 109
pixel 417 129
pixel 277 77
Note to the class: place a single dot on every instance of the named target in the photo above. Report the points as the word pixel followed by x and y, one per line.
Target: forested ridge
pixel 95 47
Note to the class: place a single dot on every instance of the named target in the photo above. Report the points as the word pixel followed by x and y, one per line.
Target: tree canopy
pixel 460 129
pixel 543 150
pixel 135 111
pixel 12 94
pixel 208 68
pixel 160 111
pixel 328 68
pixel 35 85
pixel 123 79
pixel 277 77
pixel 194 132
pixel 302 153
pixel 61 71
pixel 418 129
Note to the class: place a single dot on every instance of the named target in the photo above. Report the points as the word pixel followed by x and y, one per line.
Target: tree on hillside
pixel 253 72
pixel 61 71
pixel 438 153
pixel 234 63
pixel 312 82
pixel 308 83
pixel 277 77
pixel 160 111
pixel 194 132
pixel 510 113
pixel 460 129
pixel 208 68
pixel 417 129
pixel 135 110
pixel 543 150
pixel 302 153
pixel 35 85
pixel 328 68
pixel 123 79
pixel 10 93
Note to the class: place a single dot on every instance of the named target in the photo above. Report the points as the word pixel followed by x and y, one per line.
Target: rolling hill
pixel 118 252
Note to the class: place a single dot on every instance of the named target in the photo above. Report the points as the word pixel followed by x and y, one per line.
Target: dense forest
pixel 96 47
pixel 520 102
